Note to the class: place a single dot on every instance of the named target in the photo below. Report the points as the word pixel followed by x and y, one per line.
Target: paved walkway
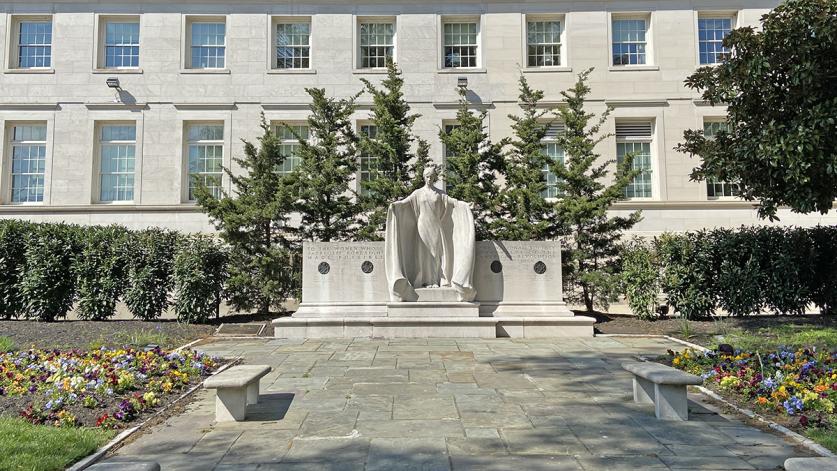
pixel 441 404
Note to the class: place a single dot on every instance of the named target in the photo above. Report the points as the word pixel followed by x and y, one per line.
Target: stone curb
pixel 790 434
pixel 94 457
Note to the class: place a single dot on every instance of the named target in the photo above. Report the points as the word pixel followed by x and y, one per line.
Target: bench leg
pixel 230 404
pixel 643 391
pixel 253 393
pixel 671 402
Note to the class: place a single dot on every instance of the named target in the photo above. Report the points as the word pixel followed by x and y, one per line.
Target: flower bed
pixel 102 387
pixel 797 387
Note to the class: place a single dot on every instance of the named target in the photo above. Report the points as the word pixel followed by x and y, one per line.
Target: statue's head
pixel 430 174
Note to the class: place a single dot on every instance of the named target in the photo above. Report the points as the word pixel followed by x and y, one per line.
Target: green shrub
pixel 13 235
pixel 47 285
pixel 738 271
pixel 824 268
pixel 687 273
pixel 101 269
pixel 786 258
pixel 641 278
pixel 200 271
pixel 150 272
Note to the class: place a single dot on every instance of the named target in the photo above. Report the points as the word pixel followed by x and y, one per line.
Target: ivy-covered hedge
pixel 47 269
pixel 744 271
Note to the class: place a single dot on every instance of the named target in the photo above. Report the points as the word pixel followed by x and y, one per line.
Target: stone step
pixel 433 309
pixel 406 326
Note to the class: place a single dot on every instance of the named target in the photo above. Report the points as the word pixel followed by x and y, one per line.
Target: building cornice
pixel 116 106
pixel 29 107
pixel 98 208
pixel 192 208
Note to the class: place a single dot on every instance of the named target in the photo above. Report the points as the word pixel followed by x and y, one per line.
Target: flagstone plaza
pixel 440 404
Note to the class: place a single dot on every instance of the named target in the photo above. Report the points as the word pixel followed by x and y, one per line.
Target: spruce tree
pixel 325 201
pixel 524 213
pixel 472 164
pixel 252 221
pixel 585 194
pixel 392 163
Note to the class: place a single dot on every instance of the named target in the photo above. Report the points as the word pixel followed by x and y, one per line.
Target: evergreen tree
pixel 585 196
pixel 524 213
pixel 389 152
pixel 252 221
pixel 325 200
pixel 471 166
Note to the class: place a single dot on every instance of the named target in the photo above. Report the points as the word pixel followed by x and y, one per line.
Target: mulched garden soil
pixel 701 331
pixel 82 334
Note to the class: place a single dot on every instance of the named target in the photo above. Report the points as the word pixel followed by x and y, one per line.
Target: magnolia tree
pixel 779 144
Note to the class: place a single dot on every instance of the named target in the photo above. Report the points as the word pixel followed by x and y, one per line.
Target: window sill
pixel 381 71
pixel 462 70
pixel 292 71
pixel 117 71
pixel 633 68
pixel 539 70
pixel 29 71
pixel 205 71
pixel 115 203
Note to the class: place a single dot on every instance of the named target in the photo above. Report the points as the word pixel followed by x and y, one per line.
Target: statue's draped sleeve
pixel 460 237
pixel 400 247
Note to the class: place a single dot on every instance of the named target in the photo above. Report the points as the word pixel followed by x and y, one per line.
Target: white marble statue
pixel 429 243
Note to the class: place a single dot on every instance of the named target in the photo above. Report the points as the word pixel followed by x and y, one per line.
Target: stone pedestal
pixel 518 284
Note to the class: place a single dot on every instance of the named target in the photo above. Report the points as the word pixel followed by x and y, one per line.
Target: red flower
pixel 101 419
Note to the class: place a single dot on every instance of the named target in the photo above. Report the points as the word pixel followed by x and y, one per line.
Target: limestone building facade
pixel 194 77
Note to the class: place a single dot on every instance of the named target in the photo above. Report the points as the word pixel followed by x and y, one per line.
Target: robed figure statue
pixel 429 243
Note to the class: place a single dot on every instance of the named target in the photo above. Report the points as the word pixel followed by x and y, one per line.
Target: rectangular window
pixel 206 157
pixel 34 45
pixel 208 45
pixel 28 148
pixel 293 45
pixel 289 145
pixel 377 44
pixel 117 147
pixel 635 138
pixel 121 40
pixel 368 165
pixel 543 43
pixel 711 34
pixel 629 42
pixel 555 153
pixel 460 45
pixel 717 188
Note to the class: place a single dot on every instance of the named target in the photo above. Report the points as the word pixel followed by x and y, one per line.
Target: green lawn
pixel 770 338
pixel 6 344
pixel 24 446
pixel 825 437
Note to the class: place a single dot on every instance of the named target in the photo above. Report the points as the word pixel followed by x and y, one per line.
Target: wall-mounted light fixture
pixel 462 82
pixel 113 82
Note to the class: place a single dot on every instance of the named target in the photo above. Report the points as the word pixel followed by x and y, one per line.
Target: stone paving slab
pixel 451 404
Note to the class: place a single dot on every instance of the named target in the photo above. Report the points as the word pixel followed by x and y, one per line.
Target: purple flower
pixel 792 405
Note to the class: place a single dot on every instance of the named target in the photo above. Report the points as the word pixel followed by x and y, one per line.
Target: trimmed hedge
pixel 46 269
pixel 744 271
pixel 199 274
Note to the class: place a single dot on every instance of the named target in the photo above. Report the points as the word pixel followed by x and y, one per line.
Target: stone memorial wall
pixel 511 279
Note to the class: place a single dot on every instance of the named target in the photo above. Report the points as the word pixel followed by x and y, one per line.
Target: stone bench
pixel 810 464
pixel 236 387
pixel 663 386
